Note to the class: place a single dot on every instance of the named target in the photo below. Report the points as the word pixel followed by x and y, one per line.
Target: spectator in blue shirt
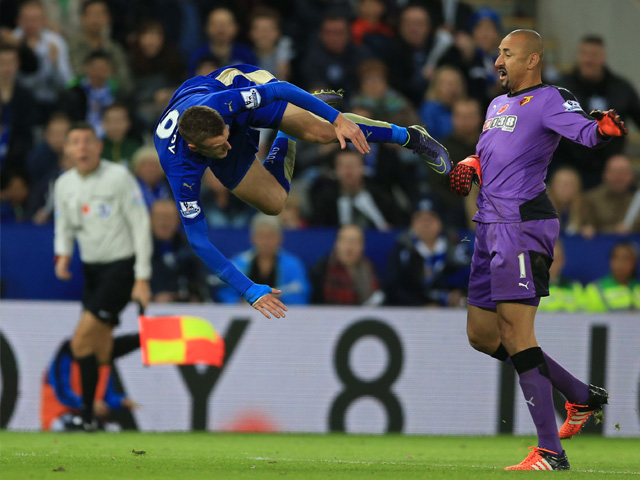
pixel 221 31
pixel 445 89
pixel 267 263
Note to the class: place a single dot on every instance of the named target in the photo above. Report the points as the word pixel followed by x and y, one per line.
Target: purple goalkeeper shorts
pixel 511 262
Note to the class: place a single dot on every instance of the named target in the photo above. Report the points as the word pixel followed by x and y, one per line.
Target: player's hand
pixel 464 174
pixel 347 130
pixel 62 267
pixel 53 52
pixel 7 36
pixel 129 404
pixel 609 123
pixel 100 408
pixel 141 292
pixel 269 304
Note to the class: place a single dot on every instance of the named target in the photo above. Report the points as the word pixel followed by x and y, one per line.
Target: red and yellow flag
pixel 179 340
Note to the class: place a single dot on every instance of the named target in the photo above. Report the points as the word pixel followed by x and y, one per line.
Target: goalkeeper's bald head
pixel 531 41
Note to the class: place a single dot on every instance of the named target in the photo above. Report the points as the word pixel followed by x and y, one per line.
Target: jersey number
pixel 168 124
pixel 523 272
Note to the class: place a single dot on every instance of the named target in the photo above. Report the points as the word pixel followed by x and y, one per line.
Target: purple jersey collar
pixel 520 92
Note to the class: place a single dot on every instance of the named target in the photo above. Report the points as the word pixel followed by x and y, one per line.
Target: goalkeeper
pixel 209 123
pixel 517 228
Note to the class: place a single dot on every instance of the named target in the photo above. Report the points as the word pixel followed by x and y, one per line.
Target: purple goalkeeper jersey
pixel 518 138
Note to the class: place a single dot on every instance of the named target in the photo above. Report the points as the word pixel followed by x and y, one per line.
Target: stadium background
pixel 31 330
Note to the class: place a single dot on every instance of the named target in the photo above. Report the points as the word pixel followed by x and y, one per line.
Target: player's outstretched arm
pixel 258 296
pixel 345 129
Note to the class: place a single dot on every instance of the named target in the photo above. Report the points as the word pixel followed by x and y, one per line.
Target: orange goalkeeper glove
pixel 609 123
pixel 463 174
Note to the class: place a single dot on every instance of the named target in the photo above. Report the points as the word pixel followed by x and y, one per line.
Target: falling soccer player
pixel 517 228
pixel 210 123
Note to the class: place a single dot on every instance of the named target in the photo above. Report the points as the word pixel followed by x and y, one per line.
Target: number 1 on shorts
pixel 523 273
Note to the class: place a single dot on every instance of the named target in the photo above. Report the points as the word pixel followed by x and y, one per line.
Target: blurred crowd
pixel 116 63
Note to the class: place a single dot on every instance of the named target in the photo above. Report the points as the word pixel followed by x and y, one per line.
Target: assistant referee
pixel 99 204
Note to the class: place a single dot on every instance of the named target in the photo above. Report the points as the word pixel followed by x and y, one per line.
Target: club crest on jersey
pixel 503 109
pixel 506 123
pixel 104 210
pixel 526 100
pixel 251 99
pixel 572 106
pixel 190 209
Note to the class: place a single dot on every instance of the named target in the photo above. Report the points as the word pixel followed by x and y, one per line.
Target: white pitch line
pixel 424 464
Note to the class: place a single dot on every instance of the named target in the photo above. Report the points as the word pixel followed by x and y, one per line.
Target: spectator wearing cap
pixel 476 54
pixel 426 267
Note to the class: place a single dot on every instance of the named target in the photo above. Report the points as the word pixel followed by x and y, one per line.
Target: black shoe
pixel 430 150
pixel 77 424
pixel 542 459
pixel 330 97
pixel 578 414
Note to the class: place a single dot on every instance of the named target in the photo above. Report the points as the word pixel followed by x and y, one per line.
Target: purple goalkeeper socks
pixel 562 380
pixel 573 389
pixel 538 395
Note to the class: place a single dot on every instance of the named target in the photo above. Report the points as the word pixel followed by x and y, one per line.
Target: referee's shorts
pixel 107 288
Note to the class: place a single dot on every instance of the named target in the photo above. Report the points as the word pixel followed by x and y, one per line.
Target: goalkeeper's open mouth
pixel 502 73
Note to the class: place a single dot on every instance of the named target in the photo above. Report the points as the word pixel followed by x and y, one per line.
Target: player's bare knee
pixel 272 208
pixel 482 343
pixel 475 342
pixel 274 204
pixel 103 350
pixel 81 345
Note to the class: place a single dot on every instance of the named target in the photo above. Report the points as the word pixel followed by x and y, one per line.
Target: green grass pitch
pixel 208 456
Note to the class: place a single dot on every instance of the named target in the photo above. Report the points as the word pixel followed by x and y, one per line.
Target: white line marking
pixel 416 464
